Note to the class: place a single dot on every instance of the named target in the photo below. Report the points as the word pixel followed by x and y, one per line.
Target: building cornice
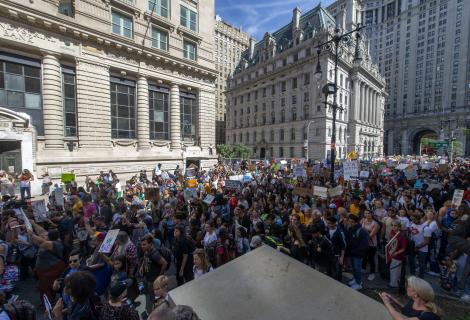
pixel 67 26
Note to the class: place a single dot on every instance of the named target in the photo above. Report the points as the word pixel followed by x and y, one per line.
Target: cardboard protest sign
pixel 336 191
pixel 39 210
pixel 321 192
pixel 390 248
pixel 350 170
pixel 152 194
pixel 208 199
pixel 443 168
pixel 364 174
pixel 457 198
pixel 233 184
pixel 67 177
pixel 109 240
pixel 190 193
pixel 252 167
pixel 303 192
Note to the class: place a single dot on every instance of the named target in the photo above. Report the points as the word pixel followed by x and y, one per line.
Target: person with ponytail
pixel 420 306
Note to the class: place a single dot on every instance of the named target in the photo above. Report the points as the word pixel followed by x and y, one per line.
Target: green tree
pixel 242 151
pixel 226 151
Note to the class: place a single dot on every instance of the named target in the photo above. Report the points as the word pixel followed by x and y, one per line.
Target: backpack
pixel 166 254
pixel 20 310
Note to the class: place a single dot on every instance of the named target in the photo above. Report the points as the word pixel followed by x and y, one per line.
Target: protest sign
pixel 252 167
pixel 238 177
pixel 233 184
pixel 109 240
pixel 390 248
pixel 190 172
pixel 39 210
pixel 427 166
pixel 59 196
pixel 457 198
pixel 336 191
pixel 443 168
pixel 316 168
pixel 26 222
pixel 300 172
pixel 402 166
pixel 321 192
pixel 350 170
pixel 209 199
pixel 410 172
pixel 303 192
pixel 152 194
pixel 165 175
pixel 364 174
pixel 67 177
pixel 190 193
pixel 247 177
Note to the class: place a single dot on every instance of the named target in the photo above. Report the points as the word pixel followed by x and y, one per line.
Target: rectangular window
pixel 189 50
pixel 281 152
pixel 66 7
pixel 159 114
pixel 159 39
pixel 159 6
pixel 20 87
pixel 70 111
pixel 122 24
pixel 188 18
pixel 294 83
pixel 123 111
pixel 283 86
pixel 188 112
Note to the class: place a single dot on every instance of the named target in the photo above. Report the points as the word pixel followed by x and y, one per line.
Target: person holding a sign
pixel 396 253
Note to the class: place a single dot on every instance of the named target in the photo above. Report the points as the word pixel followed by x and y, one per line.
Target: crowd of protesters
pixel 183 225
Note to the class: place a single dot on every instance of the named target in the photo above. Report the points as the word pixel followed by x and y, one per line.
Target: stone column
pixel 52 105
pixel 143 118
pixel 366 104
pixel 175 117
pixel 362 102
pixel 369 105
pixel 206 117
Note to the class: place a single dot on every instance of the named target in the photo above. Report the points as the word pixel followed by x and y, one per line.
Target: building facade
pixel 230 43
pixel 96 85
pixel 422 49
pixel 275 104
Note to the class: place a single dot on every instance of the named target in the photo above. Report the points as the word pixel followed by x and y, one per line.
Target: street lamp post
pixel 332 88
pixel 308 135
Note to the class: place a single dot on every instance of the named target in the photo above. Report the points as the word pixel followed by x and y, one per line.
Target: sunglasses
pixel 73 261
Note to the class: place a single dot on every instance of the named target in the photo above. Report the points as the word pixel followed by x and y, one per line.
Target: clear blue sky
pixel 258 16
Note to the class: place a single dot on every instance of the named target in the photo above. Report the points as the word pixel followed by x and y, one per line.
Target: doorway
pixel 262 153
pixel 10 156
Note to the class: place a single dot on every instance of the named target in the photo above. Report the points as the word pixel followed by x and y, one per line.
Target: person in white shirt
pixel 420 235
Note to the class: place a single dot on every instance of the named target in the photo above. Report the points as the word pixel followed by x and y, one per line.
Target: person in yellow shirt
pixel 296 210
pixel 354 207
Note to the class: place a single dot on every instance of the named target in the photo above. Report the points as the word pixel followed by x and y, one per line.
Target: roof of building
pixel 314 19
pixel 267 284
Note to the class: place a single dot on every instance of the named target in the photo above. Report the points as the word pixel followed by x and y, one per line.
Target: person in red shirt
pixel 397 254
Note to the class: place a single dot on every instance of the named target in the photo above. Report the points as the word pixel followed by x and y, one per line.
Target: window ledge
pixel 160 20
pixel 124 142
pixel 183 31
pixel 160 143
pixel 128 5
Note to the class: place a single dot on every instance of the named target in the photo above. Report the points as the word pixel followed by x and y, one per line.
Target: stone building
pixel 95 85
pixel 422 49
pixel 230 43
pixel 274 96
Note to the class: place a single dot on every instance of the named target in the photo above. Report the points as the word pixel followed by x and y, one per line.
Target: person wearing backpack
pixel 357 246
pixel 50 261
pixel 153 265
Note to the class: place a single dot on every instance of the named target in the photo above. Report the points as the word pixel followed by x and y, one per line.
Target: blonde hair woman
pixel 201 263
pixel 421 305
pixel 160 289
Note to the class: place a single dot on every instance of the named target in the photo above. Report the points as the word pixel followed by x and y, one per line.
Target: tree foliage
pixel 234 151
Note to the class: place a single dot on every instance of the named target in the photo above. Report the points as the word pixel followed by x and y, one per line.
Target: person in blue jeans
pixel 25 183
pixel 357 245
pixel 421 235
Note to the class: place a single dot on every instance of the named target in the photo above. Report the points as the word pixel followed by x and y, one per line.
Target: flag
pixel 352 155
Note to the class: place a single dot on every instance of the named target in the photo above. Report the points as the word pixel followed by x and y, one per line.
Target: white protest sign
pixel 300 172
pixel 364 174
pixel 190 193
pixel 350 170
pixel 236 178
pixel 402 166
pixel 165 175
pixel 59 196
pixel 108 242
pixel 27 224
pixel 321 192
pixel 336 191
pixel 209 199
pixel 39 210
pixel 390 248
pixel 457 198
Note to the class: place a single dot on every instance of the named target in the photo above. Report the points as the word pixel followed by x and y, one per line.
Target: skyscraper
pixel 229 42
pixel 422 48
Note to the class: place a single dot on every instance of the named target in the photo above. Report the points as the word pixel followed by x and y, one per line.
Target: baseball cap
pixel 117 288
